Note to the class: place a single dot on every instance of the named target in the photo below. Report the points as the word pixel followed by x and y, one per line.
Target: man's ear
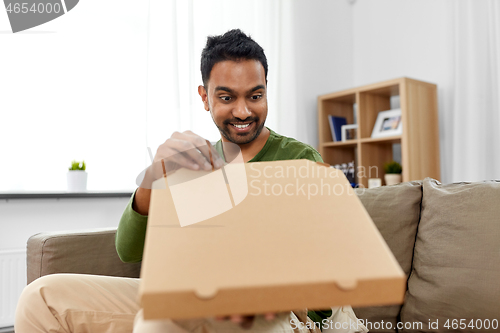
pixel 204 97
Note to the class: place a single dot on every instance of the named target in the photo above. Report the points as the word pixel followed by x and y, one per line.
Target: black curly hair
pixel 233 45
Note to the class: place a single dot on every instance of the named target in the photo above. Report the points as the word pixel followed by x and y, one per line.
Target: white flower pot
pixel 392 178
pixel 77 181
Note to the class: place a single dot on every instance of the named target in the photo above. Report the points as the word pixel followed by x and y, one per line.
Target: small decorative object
pixel 335 127
pixel 349 171
pixel 388 124
pixel 77 177
pixel 374 182
pixel 392 173
pixel 349 132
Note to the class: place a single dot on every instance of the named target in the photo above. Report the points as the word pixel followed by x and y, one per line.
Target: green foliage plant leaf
pixel 77 166
pixel 393 167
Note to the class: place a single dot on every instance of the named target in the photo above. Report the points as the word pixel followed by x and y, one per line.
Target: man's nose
pixel 241 110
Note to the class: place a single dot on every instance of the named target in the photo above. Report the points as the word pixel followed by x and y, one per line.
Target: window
pixel 109 79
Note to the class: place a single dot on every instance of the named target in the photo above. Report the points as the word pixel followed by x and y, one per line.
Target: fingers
pixel 209 150
pixel 245 321
pixel 188 149
pixel 237 319
pixel 185 150
pixel 270 316
pixel 181 150
pixel 198 143
pixel 206 148
pixel 186 155
pixel 177 161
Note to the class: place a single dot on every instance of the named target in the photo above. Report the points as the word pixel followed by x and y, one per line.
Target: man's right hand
pixel 181 150
pixel 187 150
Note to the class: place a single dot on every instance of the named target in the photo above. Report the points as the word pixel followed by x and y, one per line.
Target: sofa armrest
pixel 84 251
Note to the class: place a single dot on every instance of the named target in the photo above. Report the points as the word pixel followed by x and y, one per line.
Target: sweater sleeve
pixel 311 154
pixel 131 234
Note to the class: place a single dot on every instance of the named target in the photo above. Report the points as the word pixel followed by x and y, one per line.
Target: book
pixel 336 126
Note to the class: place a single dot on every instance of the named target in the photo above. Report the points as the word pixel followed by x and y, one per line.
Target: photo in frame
pixel 388 123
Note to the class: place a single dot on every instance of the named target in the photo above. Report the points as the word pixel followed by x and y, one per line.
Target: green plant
pixel 77 165
pixel 393 167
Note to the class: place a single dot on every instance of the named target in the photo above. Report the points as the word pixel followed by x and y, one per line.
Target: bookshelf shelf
pixel 419 143
pixel 347 143
pixel 391 139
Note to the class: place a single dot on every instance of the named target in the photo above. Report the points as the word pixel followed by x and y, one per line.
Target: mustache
pixel 238 120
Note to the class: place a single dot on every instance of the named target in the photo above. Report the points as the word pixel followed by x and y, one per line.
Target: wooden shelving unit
pixel 419 141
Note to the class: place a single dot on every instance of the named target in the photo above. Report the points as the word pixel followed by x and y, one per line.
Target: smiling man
pixel 241 109
pixel 234 91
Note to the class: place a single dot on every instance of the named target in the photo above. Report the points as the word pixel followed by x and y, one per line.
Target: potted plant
pixel 392 173
pixel 77 177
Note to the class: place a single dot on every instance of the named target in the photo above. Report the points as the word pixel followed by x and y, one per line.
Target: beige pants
pixel 80 303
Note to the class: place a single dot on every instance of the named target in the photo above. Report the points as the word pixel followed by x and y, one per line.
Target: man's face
pixel 236 99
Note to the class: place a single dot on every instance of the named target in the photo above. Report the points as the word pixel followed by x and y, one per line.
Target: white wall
pixel 21 218
pixel 323 50
pixel 399 38
pixel 395 38
pixel 74 88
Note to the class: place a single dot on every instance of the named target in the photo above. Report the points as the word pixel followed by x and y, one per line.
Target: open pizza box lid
pixel 262 237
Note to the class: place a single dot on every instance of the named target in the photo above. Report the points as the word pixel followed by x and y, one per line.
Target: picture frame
pixel 349 132
pixel 388 123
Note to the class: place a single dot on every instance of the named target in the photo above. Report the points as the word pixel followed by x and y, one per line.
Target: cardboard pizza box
pixel 262 237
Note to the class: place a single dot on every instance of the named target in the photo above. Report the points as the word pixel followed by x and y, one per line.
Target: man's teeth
pixel 241 126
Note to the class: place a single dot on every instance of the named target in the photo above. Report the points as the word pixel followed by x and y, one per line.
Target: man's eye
pixel 254 97
pixel 225 98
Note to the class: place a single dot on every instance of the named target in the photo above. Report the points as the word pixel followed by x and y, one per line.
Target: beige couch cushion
pixel 456 266
pixel 81 251
pixel 395 210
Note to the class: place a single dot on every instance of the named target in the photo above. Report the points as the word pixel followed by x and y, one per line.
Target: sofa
pixel 445 237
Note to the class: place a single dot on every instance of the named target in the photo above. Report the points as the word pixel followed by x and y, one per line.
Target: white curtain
pixel 104 90
pixel 177 34
pixel 472 113
pixel 74 88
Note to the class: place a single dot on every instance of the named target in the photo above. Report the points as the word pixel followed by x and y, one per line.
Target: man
pixel 234 74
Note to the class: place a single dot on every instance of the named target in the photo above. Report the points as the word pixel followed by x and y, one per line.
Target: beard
pixel 240 138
